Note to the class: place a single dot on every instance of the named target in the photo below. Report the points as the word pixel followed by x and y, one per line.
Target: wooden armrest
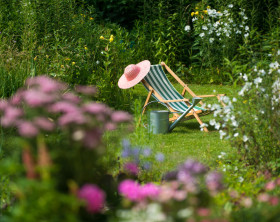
pixel 175 100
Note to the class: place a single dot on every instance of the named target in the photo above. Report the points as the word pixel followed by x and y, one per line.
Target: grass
pixel 186 140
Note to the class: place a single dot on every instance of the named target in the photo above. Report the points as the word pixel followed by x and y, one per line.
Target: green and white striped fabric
pixel 160 83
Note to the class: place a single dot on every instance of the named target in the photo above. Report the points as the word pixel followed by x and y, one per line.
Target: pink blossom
pixel 130 189
pixel 71 97
pixel 274 200
pixel 86 90
pixel 203 212
pixel 92 138
pixel 110 126
pixel 94 197
pixel 214 181
pixel 11 115
pixel 44 123
pixel 17 97
pixel 120 116
pixel 36 98
pixel 3 104
pixel 74 117
pixel 263 197
pixel 180 195
pixel 65 107
pixel 96 108
pixel 149 190
pixel 270 185
pixel 131 168
pixel 46 84
pixel 27 129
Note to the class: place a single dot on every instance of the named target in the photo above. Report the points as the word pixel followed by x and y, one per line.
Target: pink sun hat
pixel 133 74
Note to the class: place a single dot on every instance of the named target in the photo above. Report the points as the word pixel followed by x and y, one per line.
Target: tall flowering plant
pixel 62 147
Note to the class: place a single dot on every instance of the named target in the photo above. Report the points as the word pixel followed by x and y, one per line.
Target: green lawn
pixel 186 140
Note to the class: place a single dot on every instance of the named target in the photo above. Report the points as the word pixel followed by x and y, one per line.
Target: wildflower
pixel 196 13
pixel 160 157
pixel 187 28
pixel 246 35
pixel 211 40
pixel 91 18
pixel 73 63
pixel 230 5
pixel 62 66
pixel 111 38
pixel 86 90
pixel 67 59
pixel 97 62
pixel 27 129
pixel 201 35
pixel 44 123
pixel 131 168
pixel 102 37
pixel 192 14
pixel 86 48
pixel 120 116
pixel 245 138
pixel 204 27
pixel 236 134
pixel 208 7
pixel 205 11
pixel 214 181
pixel 35 58
pixel 94 197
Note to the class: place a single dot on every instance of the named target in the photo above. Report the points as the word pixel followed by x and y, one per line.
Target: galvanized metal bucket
pixel 158 121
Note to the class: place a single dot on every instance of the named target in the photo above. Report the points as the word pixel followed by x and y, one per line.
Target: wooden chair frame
pixel 193 113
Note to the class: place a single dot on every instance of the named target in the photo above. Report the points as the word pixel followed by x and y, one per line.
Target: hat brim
pixel 145 66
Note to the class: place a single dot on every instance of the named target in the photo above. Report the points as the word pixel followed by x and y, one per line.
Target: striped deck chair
pixel 159 87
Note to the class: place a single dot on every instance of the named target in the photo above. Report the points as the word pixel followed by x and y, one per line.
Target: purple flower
pixel 72 118
pixel 146 166
pixel 160 157
pixel 44 123
pixel 193 166
pixel 214 181
pixel 120 116
pixel 86 90
pixel 131 168
pixel 27 129
pixel 147 152
pixel 94 197
pixel 126 144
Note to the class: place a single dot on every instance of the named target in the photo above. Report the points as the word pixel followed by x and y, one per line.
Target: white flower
pixel 245 17
pixel 274 65
pixel 97 62
pixel 211 40
pixel 246 35
pixel 222 134
pixel 278 52
pixel 236 134
pixel 230 5
pixel 234 99
pixel 187 28
pixel 194 19
pixel 246 28
pixel 201 35
pixel 212 122
pixel 257 81
pixel 245 138
pixel 245 77
pixel 245 88
pixel 240 179
pixel 204 27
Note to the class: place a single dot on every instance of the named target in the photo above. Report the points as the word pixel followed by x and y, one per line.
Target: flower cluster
pixel 45 104
pixel 136 157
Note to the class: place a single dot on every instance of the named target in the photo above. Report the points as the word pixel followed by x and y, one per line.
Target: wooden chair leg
pixel 200 122
pixel 144 109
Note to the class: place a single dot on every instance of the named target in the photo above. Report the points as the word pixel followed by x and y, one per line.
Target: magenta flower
pixel 27 129
pixel 64 107
pixel 130 189
pixel 149 190
pixel 120 116
pixel 93 196
pixel 131 168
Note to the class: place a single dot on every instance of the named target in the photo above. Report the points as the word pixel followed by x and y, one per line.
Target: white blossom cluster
pixel 217 26
pixel 255 85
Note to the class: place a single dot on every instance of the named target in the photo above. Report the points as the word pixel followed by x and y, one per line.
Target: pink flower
pixel 135 192
pixel 46 84
pixel 149 190
pixel 64 107
pixel 203 212
pixel 96 108
pixel 214 181
pixel 263 197
pixel 94 197
pixel 131 168
pixel 270 185
pixel 74 117
pixel 71 97
pixel 3 105
pixel 121 116
pixel 274 200
pixel 86 90
pixel 27 129
pixel 110 126
pixel 36 98
pixel 130 189
pixel 11 115
pixel 44 123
